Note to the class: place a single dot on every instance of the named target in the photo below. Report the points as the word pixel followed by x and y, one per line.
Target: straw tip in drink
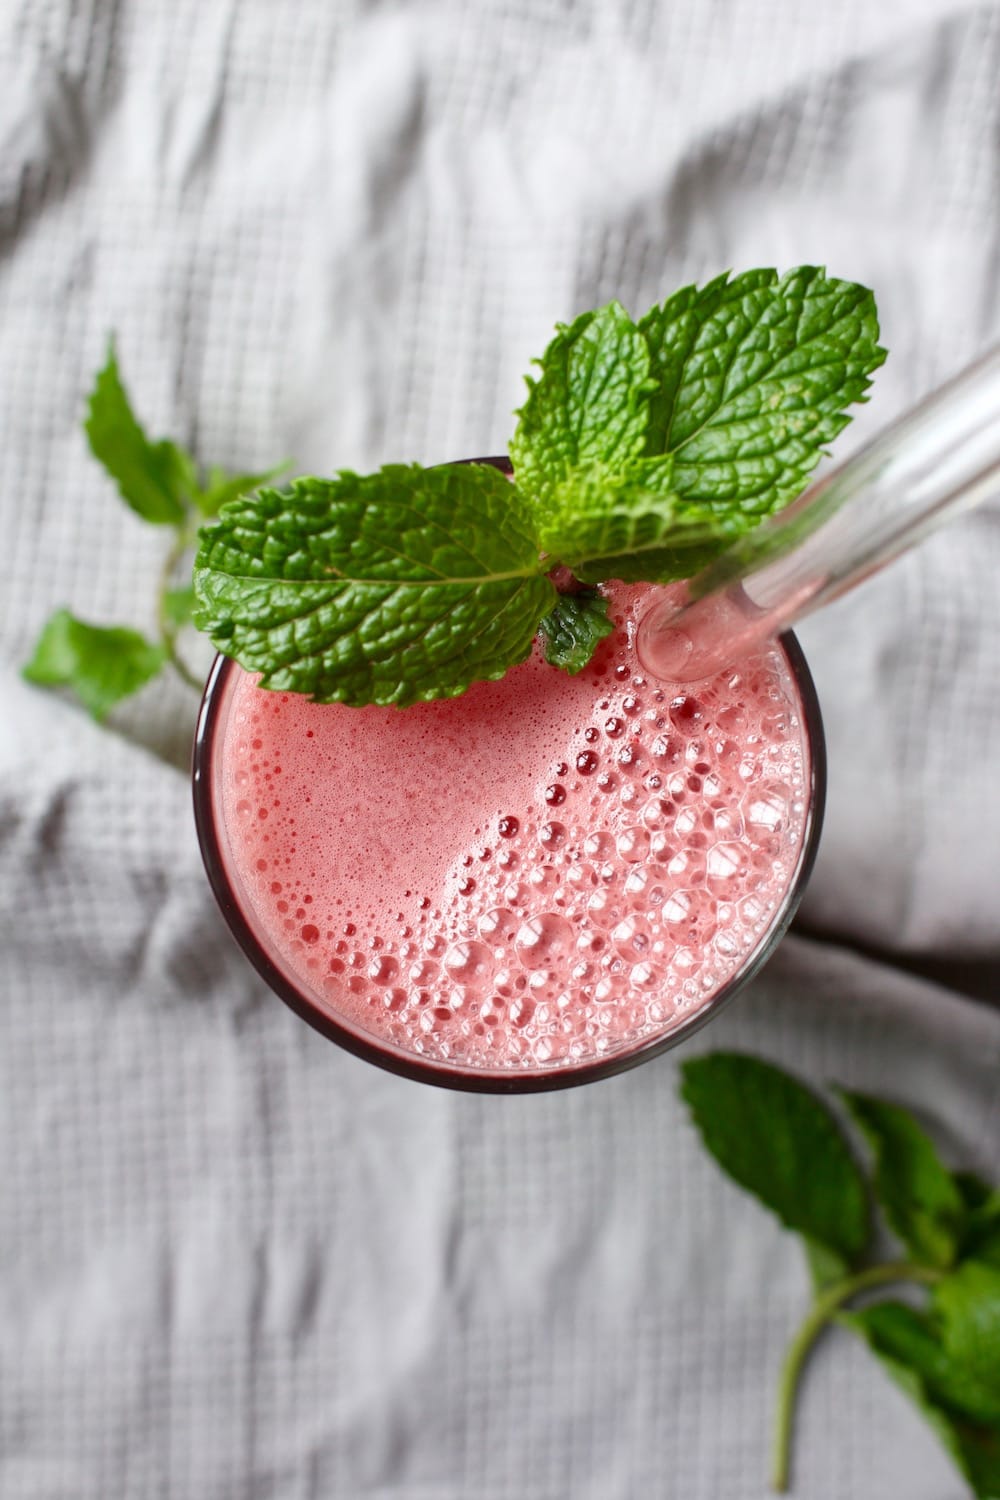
pixel 664 649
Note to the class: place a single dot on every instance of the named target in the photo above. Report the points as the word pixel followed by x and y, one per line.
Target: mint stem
pixel 820 1314
pixel 184 538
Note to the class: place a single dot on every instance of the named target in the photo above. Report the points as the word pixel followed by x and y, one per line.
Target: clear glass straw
pixel 937 461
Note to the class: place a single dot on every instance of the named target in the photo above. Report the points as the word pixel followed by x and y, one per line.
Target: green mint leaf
pixel 981 1230
pixel 589 406
pixel 178 605
pixel 403 586
pixel 910 1353
pixel 223 487
pixel 911 1338
pixel 572 632
pixel 981 1240
pixel 634 527
pixel 977 1193
pixel 918 1195
pixel 826 1266
pixel 753 377
pixel 102 664
pixel 780 1142
pixel 968 1304
pixel 983 1245
pixel 152 477
pixel 976 1451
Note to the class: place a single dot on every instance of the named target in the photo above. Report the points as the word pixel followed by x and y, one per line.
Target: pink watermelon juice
pixel 540 881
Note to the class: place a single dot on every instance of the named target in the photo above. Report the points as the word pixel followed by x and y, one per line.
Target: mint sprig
pixel 780 1141
pixel 165 486
pixel 642 450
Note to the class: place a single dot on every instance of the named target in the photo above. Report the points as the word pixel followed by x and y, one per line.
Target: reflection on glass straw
pixel 939 460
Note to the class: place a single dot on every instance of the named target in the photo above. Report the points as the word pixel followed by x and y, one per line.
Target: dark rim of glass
pixel 472 1080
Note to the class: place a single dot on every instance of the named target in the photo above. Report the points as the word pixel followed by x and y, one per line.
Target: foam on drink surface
pixel 541 872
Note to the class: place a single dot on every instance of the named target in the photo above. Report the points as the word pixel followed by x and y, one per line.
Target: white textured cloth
pixel 235 1263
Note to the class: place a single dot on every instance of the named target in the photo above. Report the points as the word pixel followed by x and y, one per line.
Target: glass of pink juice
pixel 542 882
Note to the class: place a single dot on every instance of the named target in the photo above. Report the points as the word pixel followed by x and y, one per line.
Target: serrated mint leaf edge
pixel 757 453
pixel 763 280
pixel 956 1433
pixel 931 1232
pixel 573 630
pixel 967 1302
pixel 156 472
pixel 851 1246
pixel 544 450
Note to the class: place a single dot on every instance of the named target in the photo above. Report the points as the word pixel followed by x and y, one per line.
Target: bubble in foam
pixel 726 865
pixel 599 845
pixel 544 880
pixel 424 973
pixel 383 969
pixel 544 940
pixel 677 907
pixel 509 981
pixel 601 908
pixel 768 809
pixel 521 1010
pixel 498 925
pixel 632 937
pixel 633 844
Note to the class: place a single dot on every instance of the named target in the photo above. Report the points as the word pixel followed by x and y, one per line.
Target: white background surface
pixel 236 1262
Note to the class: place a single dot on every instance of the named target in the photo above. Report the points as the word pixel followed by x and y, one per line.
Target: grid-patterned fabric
pixel 236 1262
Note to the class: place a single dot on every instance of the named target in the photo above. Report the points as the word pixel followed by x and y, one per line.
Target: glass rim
pixel 442 1074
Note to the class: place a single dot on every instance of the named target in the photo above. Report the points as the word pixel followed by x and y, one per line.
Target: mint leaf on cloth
pixel 178 604
pixel 780 1142
pixel 919 1196
pixel 968 1304
pixel 911 1354
pixel 101 663
pixel 901 1333
pixel 152 477
pixel 574 628
pixel 589 406
pixel 981 1230
pixel 753 377
pixel 406 585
